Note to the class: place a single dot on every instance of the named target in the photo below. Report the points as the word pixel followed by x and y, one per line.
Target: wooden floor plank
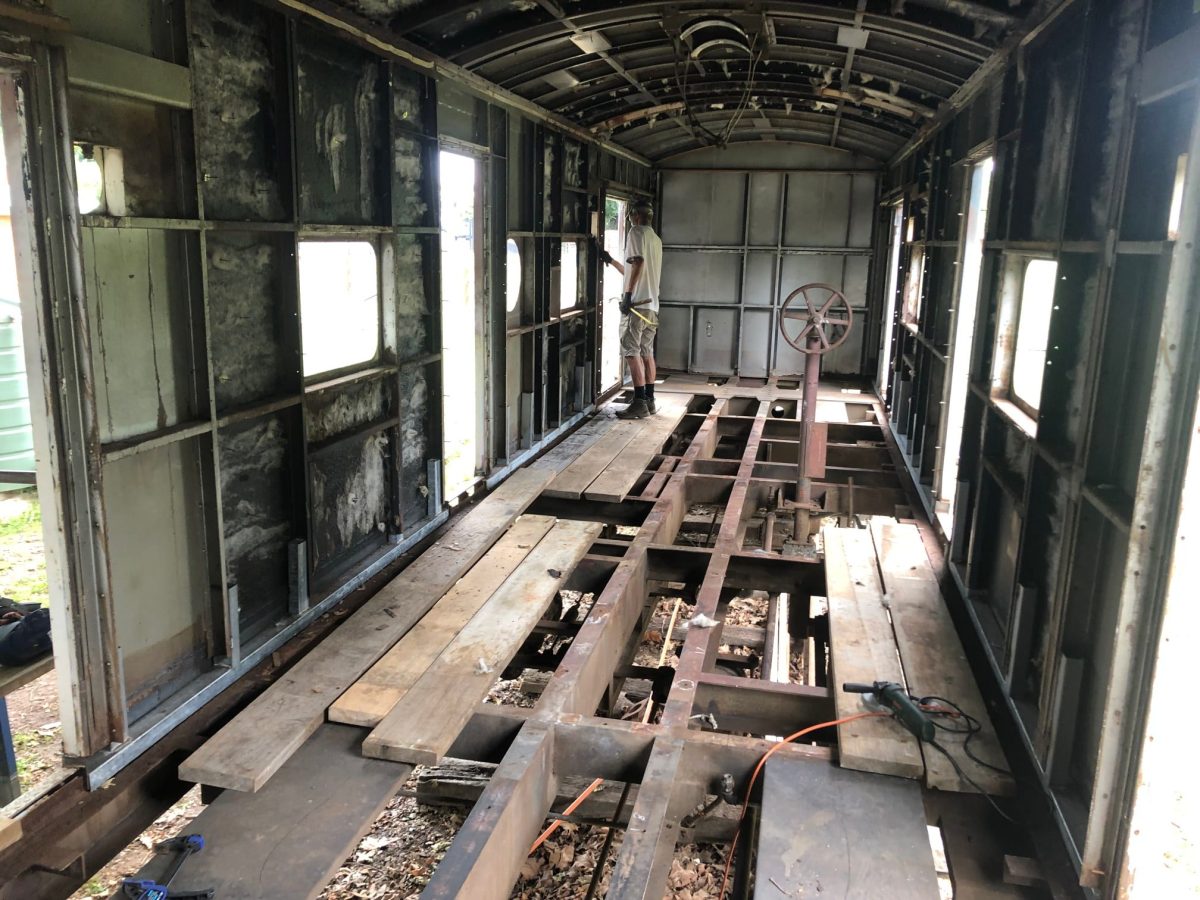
pixel 863 649
pixel 622 473
pixel 423 725
pixel 286 841
pixel 371 697
pixel 251 748
pixel 570 447
pixel 859 835
pixel 572 481
pixel 933 657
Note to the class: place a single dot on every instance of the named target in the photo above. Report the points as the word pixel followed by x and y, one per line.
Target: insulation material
pixel 414 325
pixel 254 345
pixel 339 97
pixel 410 181
pixel 349 489
pixel 237 111
pixel 255 489
pixel 345 409
pixel 418 405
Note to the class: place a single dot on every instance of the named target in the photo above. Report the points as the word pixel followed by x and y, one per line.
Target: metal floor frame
pixel 676 764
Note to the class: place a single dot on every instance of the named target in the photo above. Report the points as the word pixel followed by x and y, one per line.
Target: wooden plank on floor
pixel 370 698
pixel 251 748
pixel 863 649
pixel 622 473
pixel 859 835
pixel 286 841
pixel 572 481
pixel 10 832
pixel 423 725
pixel 832 411
pixel 933 657
pixel 568 449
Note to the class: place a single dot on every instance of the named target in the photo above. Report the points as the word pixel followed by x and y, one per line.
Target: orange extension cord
pixel 754 777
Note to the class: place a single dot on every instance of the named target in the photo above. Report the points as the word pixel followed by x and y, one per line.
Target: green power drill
pixel 896 698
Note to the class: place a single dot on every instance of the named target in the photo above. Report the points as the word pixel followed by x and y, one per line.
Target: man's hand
pixel 626 303
pixel 605 256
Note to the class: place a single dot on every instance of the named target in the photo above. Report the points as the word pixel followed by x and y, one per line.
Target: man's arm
pixel 633 273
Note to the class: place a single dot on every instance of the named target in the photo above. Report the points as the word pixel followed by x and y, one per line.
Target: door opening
pixel 964 335
pixel 463 386
pixel 610 344
pixel 33 720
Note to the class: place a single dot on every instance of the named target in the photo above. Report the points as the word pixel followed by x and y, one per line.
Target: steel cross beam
pixel 676 764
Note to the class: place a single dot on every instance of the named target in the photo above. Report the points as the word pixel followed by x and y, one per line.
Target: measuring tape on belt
pixel 633 309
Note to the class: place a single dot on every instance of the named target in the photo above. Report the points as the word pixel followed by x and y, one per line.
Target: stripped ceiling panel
pixel 664 78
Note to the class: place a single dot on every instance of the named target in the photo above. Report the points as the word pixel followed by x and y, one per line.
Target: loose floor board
pixel 830 832
pixel 575 478
pixel 423 725
pixel 933 658
pixel 619 477
pixel 863 649
pixel 371 697
pixel 251 748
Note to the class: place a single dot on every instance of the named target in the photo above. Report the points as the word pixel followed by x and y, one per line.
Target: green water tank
pixel 16 433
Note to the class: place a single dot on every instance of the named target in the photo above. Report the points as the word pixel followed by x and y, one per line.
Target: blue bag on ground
pixel 26 639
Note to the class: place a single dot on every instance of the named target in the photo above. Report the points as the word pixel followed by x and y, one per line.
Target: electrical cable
pixel 758 768
pixel 598 871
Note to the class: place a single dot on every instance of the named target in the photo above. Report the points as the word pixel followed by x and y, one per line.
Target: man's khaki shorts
pixel 637 335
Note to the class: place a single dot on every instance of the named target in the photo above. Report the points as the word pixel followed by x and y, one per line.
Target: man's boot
pixel 635 410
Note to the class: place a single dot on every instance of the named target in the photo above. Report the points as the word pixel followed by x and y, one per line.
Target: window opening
pixel 339 304
pixel 614 243
pixel 462 347
pixel 512 286
pixel 1177 198
pixel 965 305
pixel 99 179
pixel 889 318
pixel 912 286
pixel 568 276
pixel 1033 332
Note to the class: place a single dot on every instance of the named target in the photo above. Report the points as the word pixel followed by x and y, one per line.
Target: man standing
pixel 639 306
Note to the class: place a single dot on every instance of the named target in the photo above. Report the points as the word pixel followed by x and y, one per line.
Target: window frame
pixel 318 379
pixel 1016 267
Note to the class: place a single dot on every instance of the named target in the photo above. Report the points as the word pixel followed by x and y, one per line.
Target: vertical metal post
pixel 812 376
pixel 10 781
pixel 298 576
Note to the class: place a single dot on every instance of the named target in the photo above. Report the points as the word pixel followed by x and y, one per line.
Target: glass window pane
pixel 339 304
pixel 1033 330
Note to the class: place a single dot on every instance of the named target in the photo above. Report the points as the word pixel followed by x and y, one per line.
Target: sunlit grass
pixel 22 559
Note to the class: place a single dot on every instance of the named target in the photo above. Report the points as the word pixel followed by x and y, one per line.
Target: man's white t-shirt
pixel 642 241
